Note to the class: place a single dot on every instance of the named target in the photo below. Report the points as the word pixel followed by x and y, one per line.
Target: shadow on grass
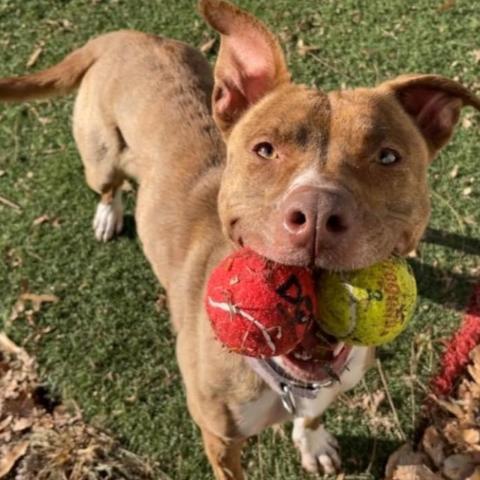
pixel 442 286
pixel 361 453
pixel 453 240
pixel 129 226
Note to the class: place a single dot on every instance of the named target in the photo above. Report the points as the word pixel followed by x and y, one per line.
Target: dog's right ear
pixel 250 62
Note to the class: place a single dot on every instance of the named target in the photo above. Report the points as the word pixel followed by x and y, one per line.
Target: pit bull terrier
pixel 334 181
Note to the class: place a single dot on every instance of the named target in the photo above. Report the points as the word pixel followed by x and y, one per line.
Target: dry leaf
pixel 446 5
pixel 32 60
pixel 303 49
pixel 8 346
pixel 414 472
pixel 453 429
pixel 38 300
pixel 36 444
pixel 454 172
pixel 126 186
pixel 208 45
pixel 467 120
pixel 471 436
pixel 458 467
pixel 434 445
pixel 67 24
pixel 8 461
pixel 403 456
pixel 6 422
pixel 40 220
pixel 475 475
pixel 22 424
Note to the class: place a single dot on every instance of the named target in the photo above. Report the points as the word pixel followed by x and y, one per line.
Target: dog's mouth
pixel 318 358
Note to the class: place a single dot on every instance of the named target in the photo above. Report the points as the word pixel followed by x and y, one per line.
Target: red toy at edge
pixel 258 307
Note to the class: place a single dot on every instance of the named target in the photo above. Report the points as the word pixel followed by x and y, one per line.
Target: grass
pixel 104 343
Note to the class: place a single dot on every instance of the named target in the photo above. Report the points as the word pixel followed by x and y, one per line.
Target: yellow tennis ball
pixel 370 306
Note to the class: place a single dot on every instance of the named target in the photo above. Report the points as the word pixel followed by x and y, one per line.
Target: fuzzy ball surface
pixel 257 307
pixel 370 306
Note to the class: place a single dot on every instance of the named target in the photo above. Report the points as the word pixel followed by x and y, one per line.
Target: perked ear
pixel 434 102
pixel 250 62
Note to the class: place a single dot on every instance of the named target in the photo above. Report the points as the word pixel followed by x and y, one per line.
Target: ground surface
pixel 105 343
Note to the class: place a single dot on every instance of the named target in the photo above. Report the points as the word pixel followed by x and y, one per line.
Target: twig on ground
pixel 331 67
pixel 9 203
pixel 400 431
pixel 458 217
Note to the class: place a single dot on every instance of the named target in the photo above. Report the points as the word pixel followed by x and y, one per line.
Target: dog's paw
pixel 108 220
pixel 318 448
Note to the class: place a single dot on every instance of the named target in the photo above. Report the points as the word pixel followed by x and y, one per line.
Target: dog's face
pixel 336 181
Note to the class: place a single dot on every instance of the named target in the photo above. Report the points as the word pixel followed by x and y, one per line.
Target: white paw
pixel 318 448
pixel 108 219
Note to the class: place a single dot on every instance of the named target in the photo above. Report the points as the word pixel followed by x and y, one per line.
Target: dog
pixel 245 157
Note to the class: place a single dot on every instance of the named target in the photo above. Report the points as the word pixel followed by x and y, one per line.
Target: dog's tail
pixel 60 79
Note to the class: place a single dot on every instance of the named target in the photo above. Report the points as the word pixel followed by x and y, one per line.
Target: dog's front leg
pixel 318 448
pixel 224 456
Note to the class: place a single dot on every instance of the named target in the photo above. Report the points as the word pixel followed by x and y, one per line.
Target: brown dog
pixel 332 181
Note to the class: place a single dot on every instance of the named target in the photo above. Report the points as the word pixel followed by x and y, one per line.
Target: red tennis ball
pixel 257 307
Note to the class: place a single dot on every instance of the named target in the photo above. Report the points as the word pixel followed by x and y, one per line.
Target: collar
pixel 285 385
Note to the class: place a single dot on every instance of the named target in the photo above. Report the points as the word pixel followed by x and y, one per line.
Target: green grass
pixel 107 346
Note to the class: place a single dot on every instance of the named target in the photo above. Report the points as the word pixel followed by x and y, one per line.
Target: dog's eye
pixel 388 156
pixel 264 150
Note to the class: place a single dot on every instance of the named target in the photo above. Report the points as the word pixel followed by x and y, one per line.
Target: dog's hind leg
pixel 101 146
pixel 103 175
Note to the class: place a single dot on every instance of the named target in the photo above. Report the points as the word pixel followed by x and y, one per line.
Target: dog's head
pixel 337 180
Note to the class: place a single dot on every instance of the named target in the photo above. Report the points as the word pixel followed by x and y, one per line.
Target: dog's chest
pixel 266 410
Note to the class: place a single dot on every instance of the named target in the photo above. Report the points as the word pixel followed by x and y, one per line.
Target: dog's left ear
pixel 434 103
pixel 250 62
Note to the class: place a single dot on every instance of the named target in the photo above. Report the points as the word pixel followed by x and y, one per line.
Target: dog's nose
pixel 314 218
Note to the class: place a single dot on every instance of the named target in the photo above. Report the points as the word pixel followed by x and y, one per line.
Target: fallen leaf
pixel 38 300
pixel 208 45
pixel 67 24
pixel 415 472
pixel 434 445
pixel 5 422
pixel 303 49
pixel 471 436
pixel 454 172
pixel 467 121
pixel 126 186
pixel 403 456
pixel 8 346
pixel 161 303
pixel 446 5
pixel 475 475
pixel 32 60
pixel 8 461
pixel 40 220
pixel 458 467
pixel 22 424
